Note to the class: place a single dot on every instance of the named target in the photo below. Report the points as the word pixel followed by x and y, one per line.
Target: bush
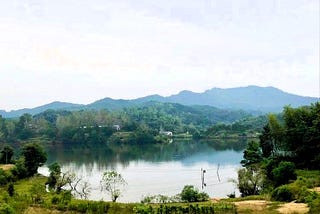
pixel 282 193
pixel 6 209
pixel 19 171
pixel 191 194
pixel 3 177
pixel 202 196
pixel 10 189
pixel 232 195
pixel 37 192
pixel 284 173
pixel 55 199
pixel 315 206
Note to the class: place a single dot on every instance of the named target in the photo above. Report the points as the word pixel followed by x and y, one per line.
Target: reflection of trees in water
pixel 112 154
pixel 236 144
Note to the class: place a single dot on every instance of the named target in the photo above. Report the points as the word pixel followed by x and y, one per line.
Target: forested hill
pixel 132 125
pixel 253 99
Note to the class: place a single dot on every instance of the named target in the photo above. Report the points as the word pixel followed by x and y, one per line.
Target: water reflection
pixel 153 169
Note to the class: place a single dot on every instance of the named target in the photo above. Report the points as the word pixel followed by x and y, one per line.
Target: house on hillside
pixel 166 133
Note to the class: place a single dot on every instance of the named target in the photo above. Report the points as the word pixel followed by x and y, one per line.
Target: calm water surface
pixel 152 170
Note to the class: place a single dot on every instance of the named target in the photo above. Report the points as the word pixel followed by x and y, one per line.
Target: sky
pixel 80 51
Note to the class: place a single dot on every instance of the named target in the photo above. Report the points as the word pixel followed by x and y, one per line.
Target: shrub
pixel 19 171
pixel 315 206
pixel 284 173
pixel 232 195
pixel 202 196
pixel 55 199
pixel 11 189
pixel 282 193
pixel 3 177
pixel 6 209
pixel 191 194
pixel 37 192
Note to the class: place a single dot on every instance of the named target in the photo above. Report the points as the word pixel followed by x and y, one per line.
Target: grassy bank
pixel 29 199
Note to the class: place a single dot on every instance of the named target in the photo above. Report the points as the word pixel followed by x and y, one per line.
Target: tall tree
pixel 6 154
pixel 252 154
pixel 266 142
pixel 23 127
pixel 302 136
pixel 277 133
pixel 34 157
pixel 55 173
pixel 250 181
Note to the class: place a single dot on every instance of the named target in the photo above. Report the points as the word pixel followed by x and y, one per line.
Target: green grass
pixel 22 202
pixel 23 186
pixel 310 177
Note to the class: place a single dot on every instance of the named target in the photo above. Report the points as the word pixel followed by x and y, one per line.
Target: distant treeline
pixel 130 125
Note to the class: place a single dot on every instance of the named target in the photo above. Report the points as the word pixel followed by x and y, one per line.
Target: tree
pixel 277 134
pixel 252 154
pixel 250 181
pixel 284 173
pixel 303 135
pixel 34 157
pixel 76 185
pixel 67 182
pixel 113 183
pixel 55 173
pixel 266 143
pixel 6 154
pixel 23 127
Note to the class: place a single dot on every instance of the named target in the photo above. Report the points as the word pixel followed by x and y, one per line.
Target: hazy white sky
pixel 80 51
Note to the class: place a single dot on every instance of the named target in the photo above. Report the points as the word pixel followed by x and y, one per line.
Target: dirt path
pixel 288 208
pixel 262 206
pixel 317 189
pixel 6 166
pixel 251 206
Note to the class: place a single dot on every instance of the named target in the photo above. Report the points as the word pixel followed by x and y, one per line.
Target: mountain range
pixel 252 99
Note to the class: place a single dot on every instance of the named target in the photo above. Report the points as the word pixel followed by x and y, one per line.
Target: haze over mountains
pixel 250 98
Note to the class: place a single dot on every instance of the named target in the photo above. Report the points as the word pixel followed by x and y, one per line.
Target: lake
pixel 156 169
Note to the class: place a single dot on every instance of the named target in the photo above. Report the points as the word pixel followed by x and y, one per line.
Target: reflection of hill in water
pixel 187 152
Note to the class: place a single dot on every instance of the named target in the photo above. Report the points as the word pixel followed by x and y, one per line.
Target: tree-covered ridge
pixel 141 124
pixel 245 127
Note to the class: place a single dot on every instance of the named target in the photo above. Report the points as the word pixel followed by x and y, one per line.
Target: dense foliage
pixel 191 194
pixel 149 123
pixel 286 144
pixel 245 127
pixel 296 138
pixel 32 156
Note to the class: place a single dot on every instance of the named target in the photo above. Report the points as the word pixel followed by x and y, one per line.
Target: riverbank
pixel 23 201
